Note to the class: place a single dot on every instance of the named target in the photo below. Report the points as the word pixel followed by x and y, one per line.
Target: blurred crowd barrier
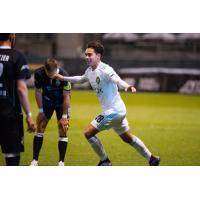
pixel 163 79
pixel 149 79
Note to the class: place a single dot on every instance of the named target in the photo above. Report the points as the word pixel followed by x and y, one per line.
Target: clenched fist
pixel 31 126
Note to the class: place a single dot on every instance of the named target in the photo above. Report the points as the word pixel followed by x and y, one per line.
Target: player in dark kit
pixel 51 95
pixel 13 94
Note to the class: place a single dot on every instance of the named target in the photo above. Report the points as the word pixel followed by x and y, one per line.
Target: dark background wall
pixel 124 51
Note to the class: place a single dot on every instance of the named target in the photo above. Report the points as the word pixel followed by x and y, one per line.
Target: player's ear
pixel 99 56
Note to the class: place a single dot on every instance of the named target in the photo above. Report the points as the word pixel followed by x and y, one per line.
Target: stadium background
pixel 153 62
pixel 165 113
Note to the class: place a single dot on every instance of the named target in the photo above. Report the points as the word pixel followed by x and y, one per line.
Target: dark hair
pixel 97 46
pixel 4 36
pixel 50 65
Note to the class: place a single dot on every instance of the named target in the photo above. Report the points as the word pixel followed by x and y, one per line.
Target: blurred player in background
pixel 105 81
pixel 13 94
pixel 51 95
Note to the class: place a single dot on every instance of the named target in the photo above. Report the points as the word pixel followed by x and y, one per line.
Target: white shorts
pixel 114 120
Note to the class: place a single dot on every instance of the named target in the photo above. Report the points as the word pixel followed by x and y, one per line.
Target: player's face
pixel 91 57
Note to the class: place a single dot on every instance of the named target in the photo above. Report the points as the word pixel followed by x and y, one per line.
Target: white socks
pixel 136 143
pixel 141 148
pixel 98 148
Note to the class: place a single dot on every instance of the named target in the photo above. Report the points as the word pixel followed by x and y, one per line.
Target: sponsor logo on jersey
pixel 57 83
pixel 99 90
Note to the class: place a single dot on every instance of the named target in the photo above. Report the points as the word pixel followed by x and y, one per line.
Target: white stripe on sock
pixel 63 139
pixel 11 155
pixel 38 134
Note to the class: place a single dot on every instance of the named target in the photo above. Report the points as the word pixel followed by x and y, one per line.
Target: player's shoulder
pixel 40 71
pixel 15 54
pixel 105 68
pixel 88 70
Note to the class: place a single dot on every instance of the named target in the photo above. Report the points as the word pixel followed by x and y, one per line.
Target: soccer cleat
pixel 106 162
pixel 34 163
pixel 61 163
pixel 154 160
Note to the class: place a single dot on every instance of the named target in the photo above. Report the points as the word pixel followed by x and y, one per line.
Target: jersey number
pixel 99 118
pixel 1 69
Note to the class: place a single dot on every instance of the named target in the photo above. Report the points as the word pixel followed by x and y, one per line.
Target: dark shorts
pixel 12 135
pixel 48 111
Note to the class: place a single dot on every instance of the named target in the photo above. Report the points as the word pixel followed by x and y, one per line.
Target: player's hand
pixel 30 123
pixel 63 124
pixel 58 77
pixel 131 89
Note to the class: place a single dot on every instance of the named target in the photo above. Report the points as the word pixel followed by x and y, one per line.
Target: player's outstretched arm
pixel 72 79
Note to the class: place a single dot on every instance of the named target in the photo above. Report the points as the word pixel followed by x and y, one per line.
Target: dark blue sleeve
pixel 22 69
pixel 38 80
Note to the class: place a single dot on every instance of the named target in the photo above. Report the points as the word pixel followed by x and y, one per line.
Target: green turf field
pixel 169 124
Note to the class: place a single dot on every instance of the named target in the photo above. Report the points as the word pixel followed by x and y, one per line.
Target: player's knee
pixel 127 138
pixel 90 131
pixel 87 134
pixel 40 129
pixel 41 126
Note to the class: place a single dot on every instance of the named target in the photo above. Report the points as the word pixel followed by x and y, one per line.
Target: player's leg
pixel 12 141
pixel 12 159
pixel 63 138
pixel 135 142
pixel 42 121
pixel 97 125
pixel 124 132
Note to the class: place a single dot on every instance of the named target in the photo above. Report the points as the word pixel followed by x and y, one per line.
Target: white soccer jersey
pixel 106 89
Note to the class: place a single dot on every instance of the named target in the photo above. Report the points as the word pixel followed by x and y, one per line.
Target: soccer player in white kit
pixel 105 81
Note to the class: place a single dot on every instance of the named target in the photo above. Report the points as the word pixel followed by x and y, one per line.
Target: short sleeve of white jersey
pixel 109 72
pixel 114 77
